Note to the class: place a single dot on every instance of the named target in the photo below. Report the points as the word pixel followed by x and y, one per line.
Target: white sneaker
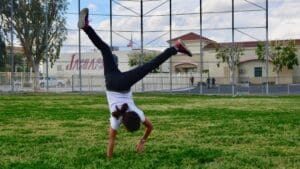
pixel 83 18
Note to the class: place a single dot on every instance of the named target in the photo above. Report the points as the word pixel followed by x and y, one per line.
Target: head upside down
pixel 130 119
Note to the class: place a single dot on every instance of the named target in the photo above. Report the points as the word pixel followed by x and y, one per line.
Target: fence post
pixel 92 83
pixel 248 87
pixel 162 81
pixel 72 83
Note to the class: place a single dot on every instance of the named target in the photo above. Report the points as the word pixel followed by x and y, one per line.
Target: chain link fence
pixel 144 35
pixel 154 82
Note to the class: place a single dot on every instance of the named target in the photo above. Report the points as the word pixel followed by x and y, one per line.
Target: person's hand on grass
pixel 140 146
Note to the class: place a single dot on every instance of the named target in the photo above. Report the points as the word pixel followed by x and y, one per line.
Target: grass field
pixel 71 131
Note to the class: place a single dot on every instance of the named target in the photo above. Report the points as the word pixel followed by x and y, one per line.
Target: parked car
pixel 19 83
pixel 52 82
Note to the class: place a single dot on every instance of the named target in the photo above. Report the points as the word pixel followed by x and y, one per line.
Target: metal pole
pixel 170 62
pixel 110 22
pixel 79 50
pixel 232 47
pixel 267 47
pixel 201 50
pixel 46 50
pixel 142 41
pixel 1 42
pixel 11 47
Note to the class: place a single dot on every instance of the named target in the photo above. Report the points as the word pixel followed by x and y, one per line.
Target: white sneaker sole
pixel 83 13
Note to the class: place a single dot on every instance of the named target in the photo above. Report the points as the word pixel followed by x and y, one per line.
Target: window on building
pixel 258 72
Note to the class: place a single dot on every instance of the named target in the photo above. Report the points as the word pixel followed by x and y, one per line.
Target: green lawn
pixel 71 131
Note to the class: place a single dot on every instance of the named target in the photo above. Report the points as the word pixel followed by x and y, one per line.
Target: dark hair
pixel 130 118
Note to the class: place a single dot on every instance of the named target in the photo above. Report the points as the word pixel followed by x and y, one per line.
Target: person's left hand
pixel 140 146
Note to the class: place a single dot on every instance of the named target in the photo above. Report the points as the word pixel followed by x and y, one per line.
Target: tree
pixel 5 59
pixel 18 63
pixel 281 53
pixel 229 55
pixel 40 27
pixel 3 56
pixel 135 58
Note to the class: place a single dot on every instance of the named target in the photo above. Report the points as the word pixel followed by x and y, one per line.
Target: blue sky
pixel 284 20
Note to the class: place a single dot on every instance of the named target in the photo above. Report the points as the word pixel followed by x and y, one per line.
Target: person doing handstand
pixel 118 85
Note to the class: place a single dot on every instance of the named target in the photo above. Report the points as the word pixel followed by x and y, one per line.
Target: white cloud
pixel 285 21
pixel 92 6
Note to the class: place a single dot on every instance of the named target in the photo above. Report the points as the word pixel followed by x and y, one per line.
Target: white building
pixel 250 69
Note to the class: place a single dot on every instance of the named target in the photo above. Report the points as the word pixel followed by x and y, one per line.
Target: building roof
pixel 246 44
pixel 192 36
pixel 213 44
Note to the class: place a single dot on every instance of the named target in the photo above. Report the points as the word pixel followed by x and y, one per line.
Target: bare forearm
pixel 147 133
pixel 111 142
pixel 110 148
pixel 149 128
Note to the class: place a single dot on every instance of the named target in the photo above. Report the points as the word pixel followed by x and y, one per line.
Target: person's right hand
pixel 140 146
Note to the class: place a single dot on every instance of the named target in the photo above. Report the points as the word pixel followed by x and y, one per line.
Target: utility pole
pixel 267 47
pixel 170 61
pixel 46 50
pixel 12 46
pixel 201 51
pixel 232 53
pixel 79 51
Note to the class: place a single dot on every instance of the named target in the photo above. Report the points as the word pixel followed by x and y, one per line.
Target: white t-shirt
pixel 118 99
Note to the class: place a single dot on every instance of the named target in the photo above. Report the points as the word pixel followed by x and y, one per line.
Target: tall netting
pixel 139 29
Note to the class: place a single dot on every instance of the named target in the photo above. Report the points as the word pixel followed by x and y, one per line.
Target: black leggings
pixel 115 80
